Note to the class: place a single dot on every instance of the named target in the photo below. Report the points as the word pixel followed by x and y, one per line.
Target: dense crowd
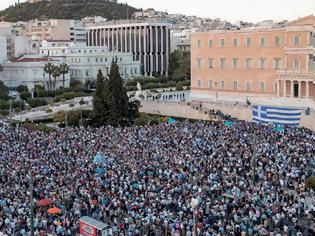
pixel 247 179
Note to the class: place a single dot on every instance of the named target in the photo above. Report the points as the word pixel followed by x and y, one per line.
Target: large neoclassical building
pixel 271 62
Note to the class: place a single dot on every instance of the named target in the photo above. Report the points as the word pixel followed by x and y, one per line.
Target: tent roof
pixel 95 223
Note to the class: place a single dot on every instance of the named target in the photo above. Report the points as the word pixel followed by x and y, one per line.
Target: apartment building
pixel 271 62
pixel 149 42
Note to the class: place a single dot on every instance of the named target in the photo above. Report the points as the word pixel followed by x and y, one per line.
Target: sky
pixel 231 10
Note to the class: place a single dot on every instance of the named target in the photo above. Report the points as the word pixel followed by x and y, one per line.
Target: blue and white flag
pixel 276 115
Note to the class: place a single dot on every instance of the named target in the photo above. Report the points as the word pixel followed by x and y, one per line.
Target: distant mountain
pixel 67 9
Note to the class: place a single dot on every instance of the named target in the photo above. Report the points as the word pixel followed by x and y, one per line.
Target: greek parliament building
pixel 148 42
pixel 271 62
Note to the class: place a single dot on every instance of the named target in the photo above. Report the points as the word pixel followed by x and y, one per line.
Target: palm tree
pixel 56 73
pixel 64 69
pixel 49 69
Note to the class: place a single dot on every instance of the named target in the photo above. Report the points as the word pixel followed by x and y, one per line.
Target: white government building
pixel 28 70
pixel 85 61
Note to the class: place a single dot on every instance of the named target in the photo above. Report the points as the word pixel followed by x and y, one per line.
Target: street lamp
pixel 216 90
pixel 82 102
pixel 194 205
pixel 31 202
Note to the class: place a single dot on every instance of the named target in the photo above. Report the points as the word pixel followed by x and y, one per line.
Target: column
pixel 145 49
pixel 126 41
pixel 278 88
pixel 130 41
pixel 117 40
pixel 113 46
pixel 157 49
pixel 284 88
pixel 300 89
pixel 104 37
pixel 88 38
pixel 92 44
pixel 292 88
pixel 162 49
pixel 151 50
pixel 167 49
pixel 107 30
pixel 121 39
pixel 307 89
pixel 135 40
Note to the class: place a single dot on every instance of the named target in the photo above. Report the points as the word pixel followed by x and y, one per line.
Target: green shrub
pixel 4 105
pixel 140 122
pixel 179 86
pixel 58 98
pixel 68 95
pixel 36 102
pixel 25 95
pixel 310 183
pixel 48 110
pixel 22 89
pixel 4 112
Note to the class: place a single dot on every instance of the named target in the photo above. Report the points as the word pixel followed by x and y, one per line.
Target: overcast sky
pixel 232 10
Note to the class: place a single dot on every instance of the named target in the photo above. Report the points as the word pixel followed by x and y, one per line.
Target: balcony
pixel 296 75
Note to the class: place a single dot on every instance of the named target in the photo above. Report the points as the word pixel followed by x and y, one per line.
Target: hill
pixel 67 9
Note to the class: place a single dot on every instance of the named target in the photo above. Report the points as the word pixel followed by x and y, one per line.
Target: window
pixel 210 63
pixel 276 63
pixel 296 64
pixel 235 63
pixel 222 43
pixel 199 62
pixel 262 86
pixel 248 42
pixel 222 84
pixel 96 60
pixel 277 41
pixel 248 63
pixel 297 40
pixel 209 83
pixel 199 83
pixel 235 42
pixel 262 42
pixel 87 73
pixel 222 63
pixel 262 63
pixel 248 85
pixel 235 85
pixel 210 43
pixel 199 43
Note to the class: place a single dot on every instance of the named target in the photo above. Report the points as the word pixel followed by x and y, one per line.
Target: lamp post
pixel 216 90
pixel 194 204
pixel 31 203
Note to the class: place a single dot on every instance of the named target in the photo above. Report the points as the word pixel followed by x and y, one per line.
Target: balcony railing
pixel 296 74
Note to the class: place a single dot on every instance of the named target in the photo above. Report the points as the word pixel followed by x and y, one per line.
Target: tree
pixel 4 91
pixel 100 101
pixel 56 73
pixel 179 65
pixel 49 69
pixel 179 86
pixel 64 69
pixel 118 99
pixel 22 89
pixel 110 101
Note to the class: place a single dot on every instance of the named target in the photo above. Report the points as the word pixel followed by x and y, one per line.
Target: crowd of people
pixel 247 179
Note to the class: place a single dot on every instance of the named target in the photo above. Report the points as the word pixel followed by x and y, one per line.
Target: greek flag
pixel 276 115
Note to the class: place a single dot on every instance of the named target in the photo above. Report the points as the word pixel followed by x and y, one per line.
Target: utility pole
pixel 31 203
pixel 66 119
pixel 11 113
pixel 21 110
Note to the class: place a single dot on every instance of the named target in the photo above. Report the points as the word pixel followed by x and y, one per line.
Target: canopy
pixel 171 120
pixel 44 202
pixel 98 159
pixel 54 211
